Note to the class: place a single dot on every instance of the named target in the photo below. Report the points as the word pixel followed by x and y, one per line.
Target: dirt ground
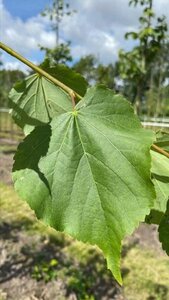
pixel 7 147
pixel 6 162
pixel 20 253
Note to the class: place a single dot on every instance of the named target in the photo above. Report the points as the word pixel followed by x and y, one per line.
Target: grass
pixel 148 275
pixel 145 273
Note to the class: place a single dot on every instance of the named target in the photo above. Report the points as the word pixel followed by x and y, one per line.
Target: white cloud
pixel 99 26
pixel 16 65
pixel 24 36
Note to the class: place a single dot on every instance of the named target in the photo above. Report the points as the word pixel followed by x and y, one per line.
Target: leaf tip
pixel 114 266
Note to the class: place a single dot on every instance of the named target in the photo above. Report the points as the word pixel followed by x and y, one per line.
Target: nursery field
pixel 90 114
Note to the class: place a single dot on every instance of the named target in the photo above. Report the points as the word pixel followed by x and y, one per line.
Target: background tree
pixel 141 67
pixel 95 72
pixel 61 52
pixel 87 66
pixel 7 80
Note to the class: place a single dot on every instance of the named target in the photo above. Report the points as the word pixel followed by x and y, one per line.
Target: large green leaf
pixel 164 231
pixel 88 172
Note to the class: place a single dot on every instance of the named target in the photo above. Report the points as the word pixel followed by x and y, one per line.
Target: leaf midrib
pixel 95 184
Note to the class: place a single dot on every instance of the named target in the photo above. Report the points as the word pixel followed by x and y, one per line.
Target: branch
pixel 38 70
pixel 160 150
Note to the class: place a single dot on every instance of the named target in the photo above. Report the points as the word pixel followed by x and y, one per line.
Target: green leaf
pixel 88 172
pixel 160 164
pixel 164 231
pixel 132 34
pixel 160 178
pixel 36 100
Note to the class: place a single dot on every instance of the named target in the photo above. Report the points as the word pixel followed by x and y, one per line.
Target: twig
pixel 71 93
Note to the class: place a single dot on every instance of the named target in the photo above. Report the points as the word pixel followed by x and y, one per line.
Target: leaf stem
pixel 160 150
pixel 40 71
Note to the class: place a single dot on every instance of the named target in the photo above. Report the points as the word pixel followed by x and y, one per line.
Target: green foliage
pixel 55 13
pixel 87 169
pixel 160 173
pixel 144 67
pixel 160 178
pixel 58 55
pixel 86 66
pixel 94 72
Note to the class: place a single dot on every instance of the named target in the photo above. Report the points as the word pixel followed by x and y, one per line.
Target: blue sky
pixel 25 9
pixel 98 27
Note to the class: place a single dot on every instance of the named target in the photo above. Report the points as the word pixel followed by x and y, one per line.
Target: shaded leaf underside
pixel 164 230
pixel 36 100
pixel 68 76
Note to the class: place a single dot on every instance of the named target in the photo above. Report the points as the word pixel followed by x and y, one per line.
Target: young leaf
pixel 89 174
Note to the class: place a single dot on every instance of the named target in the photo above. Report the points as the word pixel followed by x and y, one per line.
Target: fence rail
pixel 155 120
pixel 9 131
pixel 155 124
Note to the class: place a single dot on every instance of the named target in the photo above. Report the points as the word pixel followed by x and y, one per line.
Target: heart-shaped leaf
pixel 88 172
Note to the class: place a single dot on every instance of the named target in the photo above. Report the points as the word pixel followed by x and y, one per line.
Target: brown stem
pixel 73 99
pixel 160 150
pixel 40 71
